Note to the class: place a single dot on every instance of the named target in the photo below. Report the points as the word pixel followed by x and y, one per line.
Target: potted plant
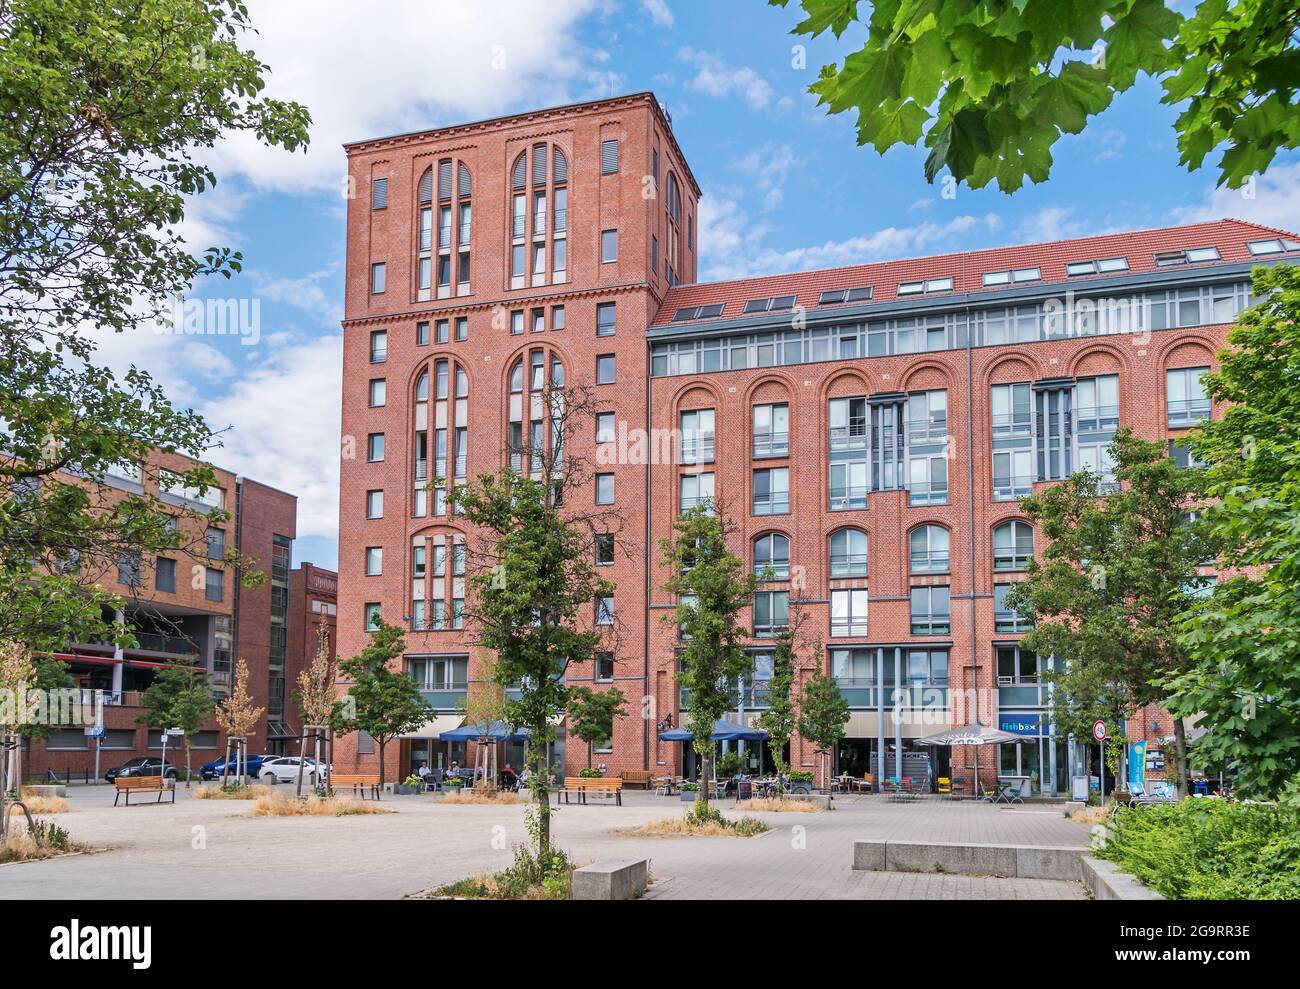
pixel 412 784
pixel 799 781
pixel 591 773
pixel 689 791
pixel 452 784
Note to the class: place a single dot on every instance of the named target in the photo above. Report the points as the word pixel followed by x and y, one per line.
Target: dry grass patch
pixel 20 845
pixel 230 792
pixel 37 804
pixel 781 805
pixel 496 797
pixel 719 827
pixel 1090 815
pixel 275 805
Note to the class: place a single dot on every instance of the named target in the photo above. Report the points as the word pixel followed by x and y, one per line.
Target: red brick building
pixel 868 428
pixel 188 608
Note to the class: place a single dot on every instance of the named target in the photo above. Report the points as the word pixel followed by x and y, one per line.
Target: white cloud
pixel 306 293
pixel 283 418
pixel 714 77
pixel 767 169
pixel 1273 200
pixel 1052 223
pixel 659 12
pixel 366 70
pixel 733 247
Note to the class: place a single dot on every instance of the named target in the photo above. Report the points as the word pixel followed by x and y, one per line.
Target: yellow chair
pixel 945 785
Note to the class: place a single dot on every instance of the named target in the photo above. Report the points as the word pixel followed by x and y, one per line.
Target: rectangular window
pixel 440 333
pixel 378 392
pixel 1185 393
pixel 771 613
pixel 165 574
pixel 604 489
pixel 696 489
pixel 605 427
pixel 374 504
pixel 1053 433
pixel 557 317
pixel 422 334
pixel 772 430
pixel 374 561
pixel 372 616
pixel 606 313
pixel 214 584
pixel 608 246
pixel 1005 618
pixel 605 611
pixel 216 539
pixel 697 437
pixel 378 277
pixel 604 549
pixel 605 369
pixel 379 194
pixel 604 666
pixel 517 322
pixel 609 156
pixel 375 447
pixel 849 612
pixel 931 611
pixel 378 346
pixel 772 491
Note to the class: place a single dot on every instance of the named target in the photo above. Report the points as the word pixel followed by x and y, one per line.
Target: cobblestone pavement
pixel 211 850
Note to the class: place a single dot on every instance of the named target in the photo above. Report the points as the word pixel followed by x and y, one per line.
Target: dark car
pixel 214 770
pixel 143 766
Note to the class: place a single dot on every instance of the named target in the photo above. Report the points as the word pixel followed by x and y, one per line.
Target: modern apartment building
pixel 191 607
pixel 869 429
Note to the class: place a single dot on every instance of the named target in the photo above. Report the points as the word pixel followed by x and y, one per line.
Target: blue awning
pixel 723 731
pixel 495 731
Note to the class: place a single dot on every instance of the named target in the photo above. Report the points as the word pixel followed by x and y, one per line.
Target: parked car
pixel 143 766
pixel 284 769
pixel 214 770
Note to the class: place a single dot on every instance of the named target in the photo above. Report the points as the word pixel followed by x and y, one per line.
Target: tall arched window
pixel 441 432
pixel 539 203
pixel 848 553
pixel 444 249
pixel 438 599
pixel 928 549
pixel 1013 545
pixel 530 394
pixel 673 209
pixel 772 556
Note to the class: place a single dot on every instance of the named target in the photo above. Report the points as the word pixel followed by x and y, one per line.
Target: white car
pixel 284 769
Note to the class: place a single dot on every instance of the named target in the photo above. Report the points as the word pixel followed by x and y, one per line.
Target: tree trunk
pixel 302 755
pixel 187 762
pixel 1180 754
pixel 706 774
pixel 542 791
pixel 383 744
pixel 588 755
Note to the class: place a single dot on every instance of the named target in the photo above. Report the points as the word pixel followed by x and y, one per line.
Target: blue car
pixel 215 770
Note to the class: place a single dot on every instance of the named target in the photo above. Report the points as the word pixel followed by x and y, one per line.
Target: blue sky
pixel 785 186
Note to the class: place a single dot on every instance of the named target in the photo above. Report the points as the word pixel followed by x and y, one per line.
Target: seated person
pixel 423 771
pixel 509 778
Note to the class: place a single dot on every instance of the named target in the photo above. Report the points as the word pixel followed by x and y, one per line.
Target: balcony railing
pixel 771 444
pixel 847 498
pixel 862 693
pixel 1012 424
pixel 1188 412
pixel 848 438
pixel 929 561
pixel 927 493
pixel 1012 488
pixel 1097 417
pixel 848 565
pixel 775 504
pixel 851 625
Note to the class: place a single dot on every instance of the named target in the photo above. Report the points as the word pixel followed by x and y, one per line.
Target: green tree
pixel 534 582
pixel 382 701
pixel 592 714
pixel 105 110
pixel 712 586
pixel 178 698
pixel 823 710
pixel 1245 675
pixel 780 718
pixel 1106 594
pixel 990 86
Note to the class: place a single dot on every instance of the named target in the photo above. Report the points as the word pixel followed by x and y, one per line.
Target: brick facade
pixel 958 354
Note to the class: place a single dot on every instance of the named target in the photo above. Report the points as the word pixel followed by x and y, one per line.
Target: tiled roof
pixel 968 267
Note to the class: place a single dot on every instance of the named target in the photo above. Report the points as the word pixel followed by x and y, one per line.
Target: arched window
pixel 772 556
pixel 673 209
pixel 441 433
pixel 928 549
pixel 530 432
pixel 1013 545
pixel 539 203
pixel 443 256
pixel 438 604
pixel 848 553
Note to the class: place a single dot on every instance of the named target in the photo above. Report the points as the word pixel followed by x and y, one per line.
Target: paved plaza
pixel 210 849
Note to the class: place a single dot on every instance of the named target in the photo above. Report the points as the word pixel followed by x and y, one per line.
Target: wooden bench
pixel 142 784
pixel 582 785
pixel 641 778
pixel 360 783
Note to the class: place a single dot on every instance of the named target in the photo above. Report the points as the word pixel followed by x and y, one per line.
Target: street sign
pixel 95 731
pixel 1099 731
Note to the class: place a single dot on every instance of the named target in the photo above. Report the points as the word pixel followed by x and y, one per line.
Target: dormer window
pixel 925 286
pixel 774 304
pixel 838 296
pixel 1012 276
pixel 1098 266
pixel 1193 255
pixel 1276 246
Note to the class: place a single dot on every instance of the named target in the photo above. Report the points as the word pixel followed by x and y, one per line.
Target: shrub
pixel 590 774
pixel 529 878
pixel 276 805
pixel 1210 849
pixel 800 776
pixel 413 780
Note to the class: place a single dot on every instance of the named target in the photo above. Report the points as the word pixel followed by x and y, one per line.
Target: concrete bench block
pixel 47 790
pixel 869 856
pixel 966 860
pixel 820 799
pixel 1047 862
pixel 612 879
pixel 1106 882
